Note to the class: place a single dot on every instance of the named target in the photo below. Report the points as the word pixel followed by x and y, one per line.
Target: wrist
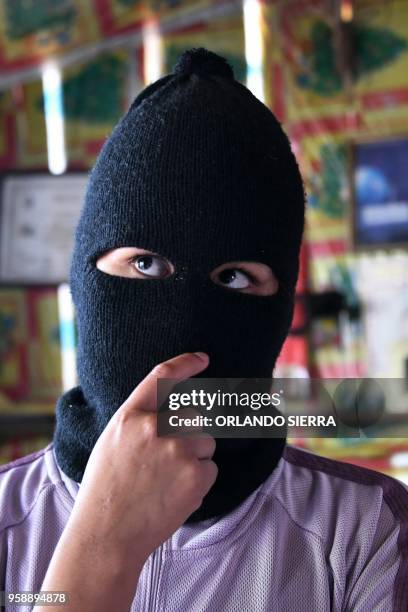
pixel 107 553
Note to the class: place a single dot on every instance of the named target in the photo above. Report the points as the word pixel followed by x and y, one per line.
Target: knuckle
pixel 192 475
pixel 213 470
pixel 173 447
pixel 203 447
pixel 148 426
pixel 123 416
pixel 163 370
pixel 210 473
pixel 210 446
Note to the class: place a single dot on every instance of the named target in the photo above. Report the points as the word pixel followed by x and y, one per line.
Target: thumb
pixel 144 396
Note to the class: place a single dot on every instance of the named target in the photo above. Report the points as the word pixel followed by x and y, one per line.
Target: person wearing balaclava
pixel 200 174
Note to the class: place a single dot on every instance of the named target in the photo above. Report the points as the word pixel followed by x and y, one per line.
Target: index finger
pixel 144 396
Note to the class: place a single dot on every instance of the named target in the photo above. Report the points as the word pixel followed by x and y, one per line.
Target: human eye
pixel 132 262
pixel 152 266
pixel 234 278
pixel 246 277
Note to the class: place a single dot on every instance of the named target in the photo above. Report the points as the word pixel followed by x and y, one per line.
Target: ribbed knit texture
pixel 200 172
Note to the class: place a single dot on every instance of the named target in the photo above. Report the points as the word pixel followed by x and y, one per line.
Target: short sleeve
pixel 382 584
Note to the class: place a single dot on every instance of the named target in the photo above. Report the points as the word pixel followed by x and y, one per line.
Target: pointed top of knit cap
pixel 203 62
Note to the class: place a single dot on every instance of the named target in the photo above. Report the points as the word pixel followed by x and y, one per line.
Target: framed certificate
pixel 380 192
pixel 38 213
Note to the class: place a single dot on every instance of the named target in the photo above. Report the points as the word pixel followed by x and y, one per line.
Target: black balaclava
pixel 200 172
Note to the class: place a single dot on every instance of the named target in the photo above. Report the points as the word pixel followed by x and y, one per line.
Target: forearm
pixel 96 576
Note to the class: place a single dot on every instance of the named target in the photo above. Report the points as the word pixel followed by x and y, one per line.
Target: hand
pixel 138 488
pixel 136 491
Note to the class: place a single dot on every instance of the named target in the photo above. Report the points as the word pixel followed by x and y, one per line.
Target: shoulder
pixel 357 516
pixel 341 504
pixel 320 493
pixel 339 485
pixel 21 483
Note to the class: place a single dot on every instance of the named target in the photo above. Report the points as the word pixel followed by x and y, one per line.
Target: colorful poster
pixel 45 368
pixel 117 16
pixel 14 377
pixel 380 192
pixel 8 131
pixel 324 102
pixel 31 31
pixel 94 97
pixel 30 356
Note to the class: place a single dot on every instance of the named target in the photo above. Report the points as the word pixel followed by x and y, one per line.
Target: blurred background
pixel 335 73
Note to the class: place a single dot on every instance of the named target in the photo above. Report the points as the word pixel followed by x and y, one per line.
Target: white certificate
pixel 39 213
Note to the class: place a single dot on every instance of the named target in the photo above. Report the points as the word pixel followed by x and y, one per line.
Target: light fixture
pixel 152 51
pixel 253 48
pixel 54 118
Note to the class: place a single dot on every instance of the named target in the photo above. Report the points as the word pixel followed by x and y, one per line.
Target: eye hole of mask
pixel 240 276
pixel 131 262
pixel 246 277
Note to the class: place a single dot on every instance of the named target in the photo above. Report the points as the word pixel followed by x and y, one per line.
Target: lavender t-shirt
pixel 318 535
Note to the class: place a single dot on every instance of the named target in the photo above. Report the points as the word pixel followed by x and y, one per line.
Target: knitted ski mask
pixel 200 172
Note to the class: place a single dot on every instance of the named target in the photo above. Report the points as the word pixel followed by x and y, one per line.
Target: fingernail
pixel 202 356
